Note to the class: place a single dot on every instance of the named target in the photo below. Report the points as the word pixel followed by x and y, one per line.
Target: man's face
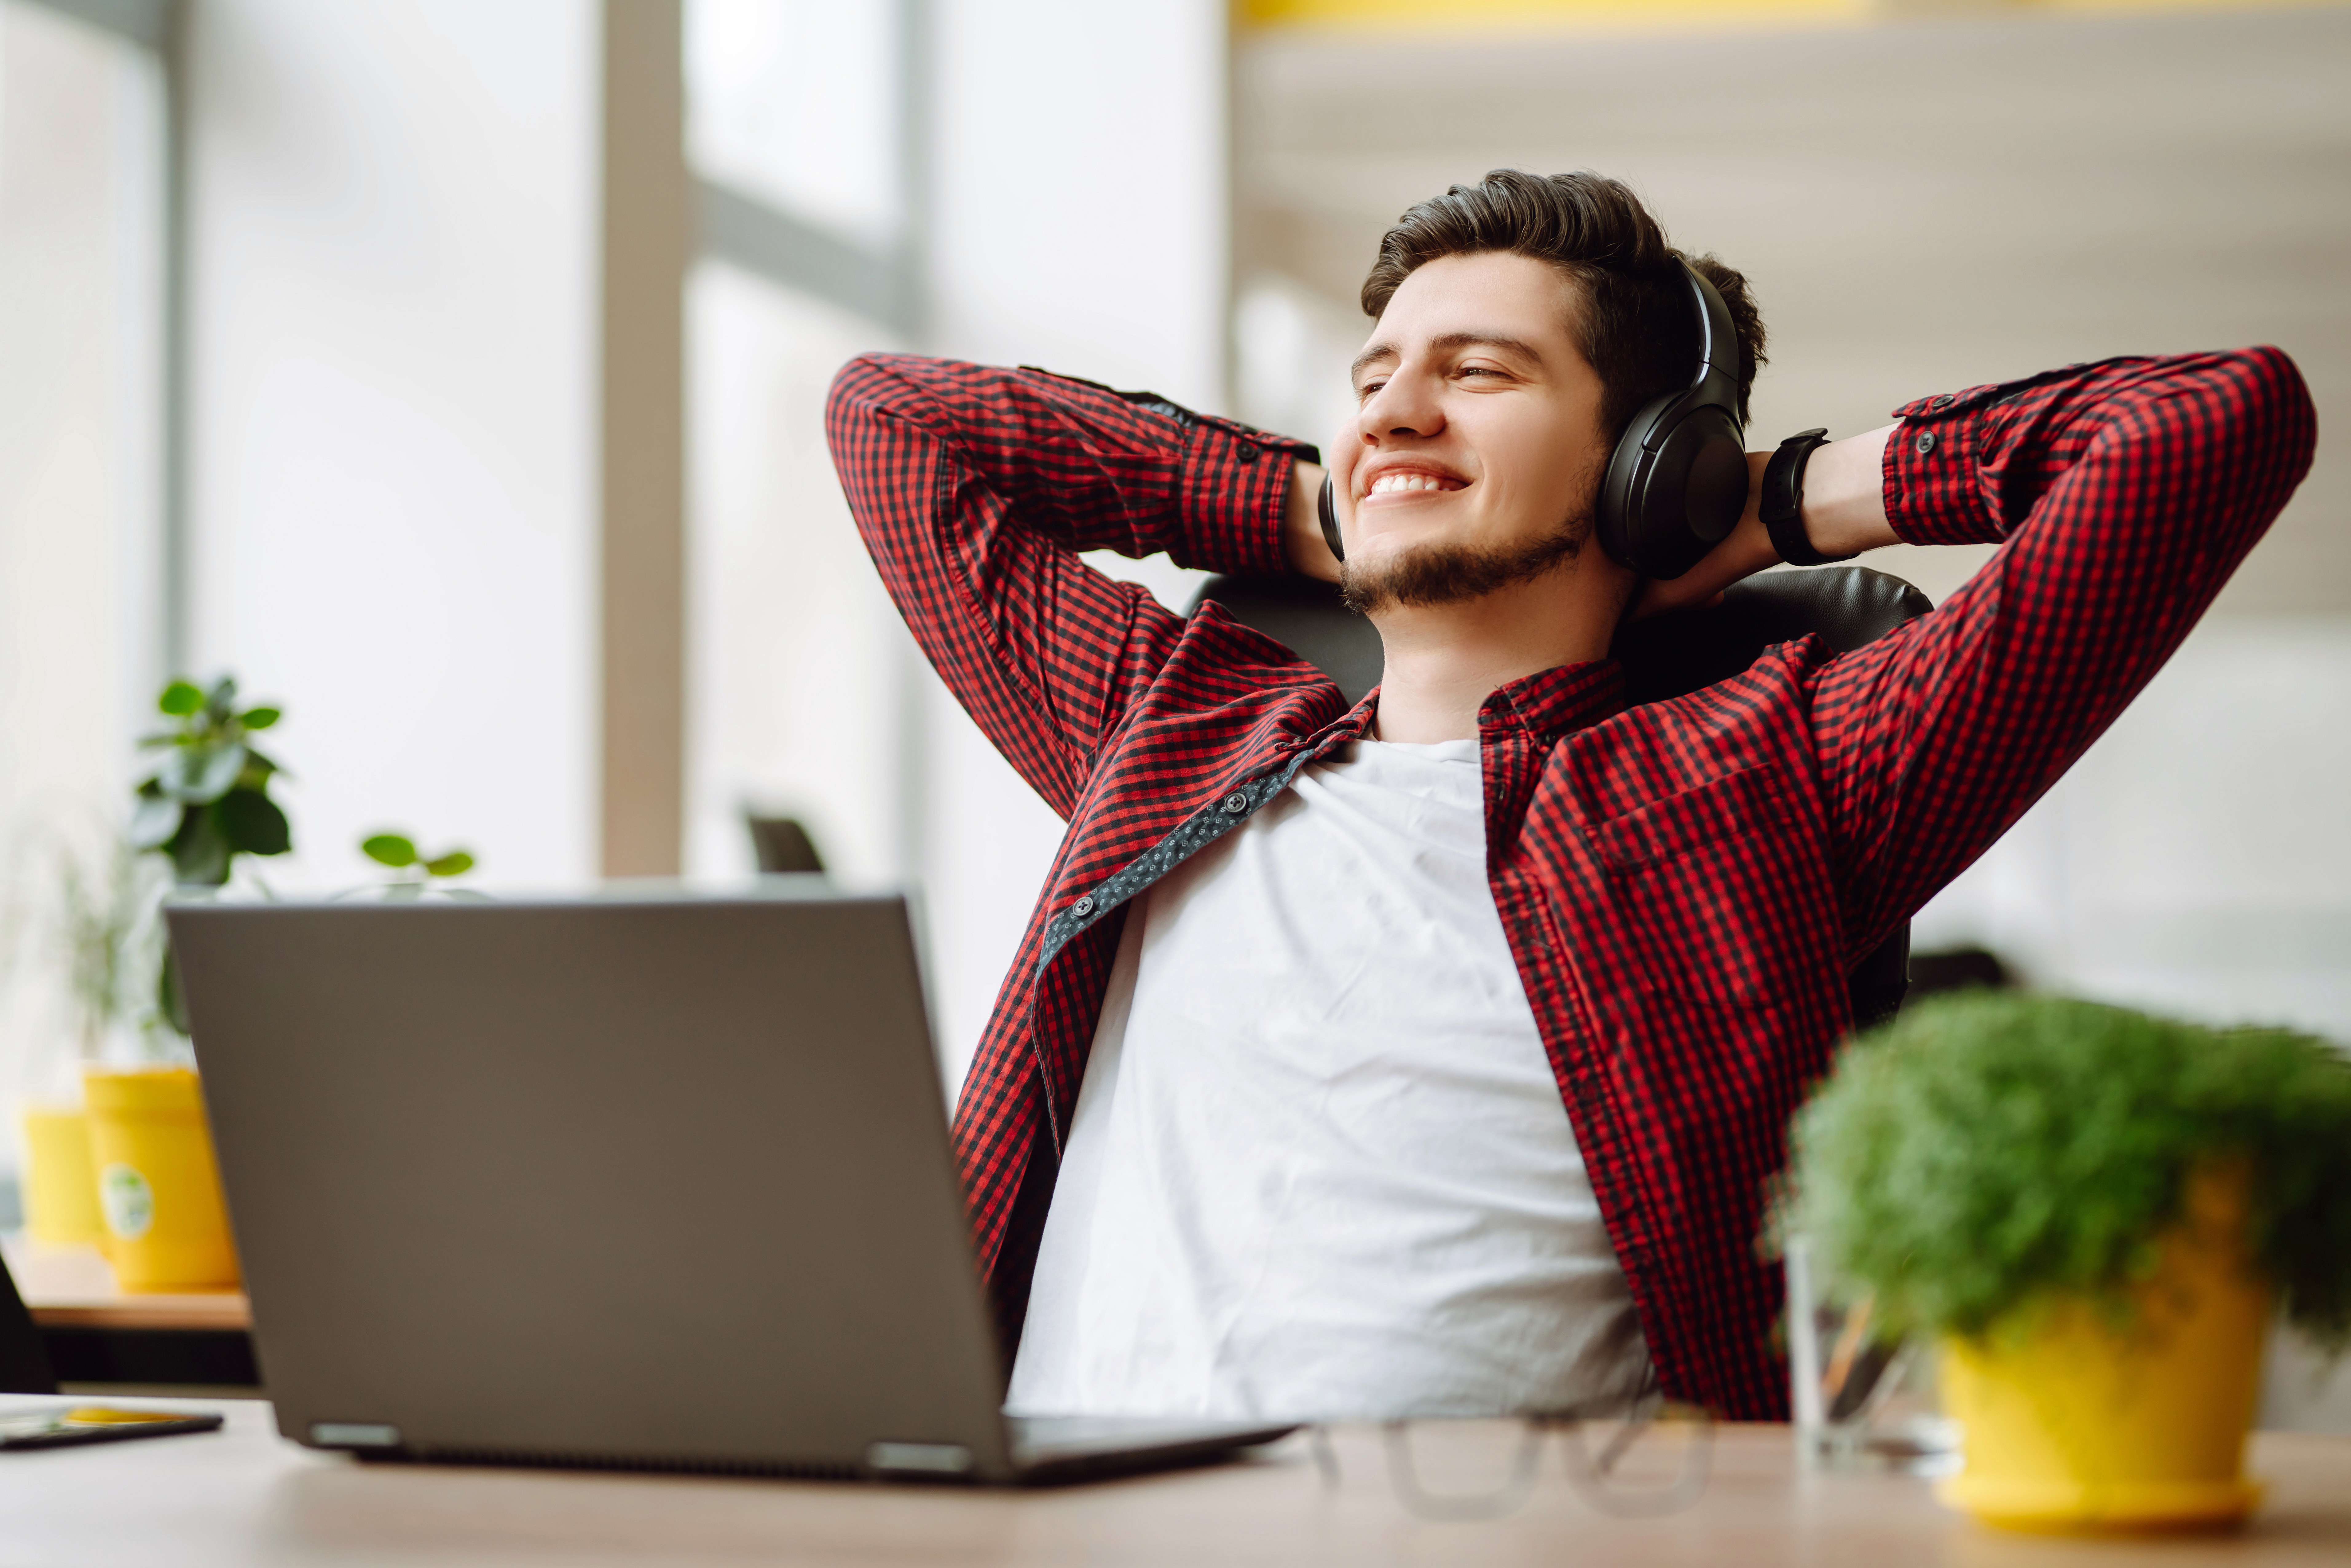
pixel 1476 452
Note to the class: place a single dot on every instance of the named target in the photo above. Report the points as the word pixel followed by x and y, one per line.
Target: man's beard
pixel 1433 574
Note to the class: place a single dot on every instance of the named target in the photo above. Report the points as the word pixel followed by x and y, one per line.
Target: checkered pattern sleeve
pixel 2124 494
pixel 975 487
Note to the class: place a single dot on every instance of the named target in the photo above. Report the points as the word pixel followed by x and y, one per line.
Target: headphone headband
pixel 1717 342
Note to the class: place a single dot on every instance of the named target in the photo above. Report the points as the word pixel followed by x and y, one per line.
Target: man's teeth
pixel 1387 483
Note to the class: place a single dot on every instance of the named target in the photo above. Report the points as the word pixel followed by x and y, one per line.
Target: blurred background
pixel 451 373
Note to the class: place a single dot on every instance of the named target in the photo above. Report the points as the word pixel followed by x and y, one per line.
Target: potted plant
pixel 2097 1213
pixel 87 921
pixel 205 803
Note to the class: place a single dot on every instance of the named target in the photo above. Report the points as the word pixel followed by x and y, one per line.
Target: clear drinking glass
pixel 1862 1400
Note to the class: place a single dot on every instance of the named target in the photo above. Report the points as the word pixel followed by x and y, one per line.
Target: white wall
pixel 392 318
pixel 2198 860
pixel 1078 189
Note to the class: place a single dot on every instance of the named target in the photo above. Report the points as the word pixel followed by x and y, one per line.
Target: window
pixel 81 544
pixel 801 677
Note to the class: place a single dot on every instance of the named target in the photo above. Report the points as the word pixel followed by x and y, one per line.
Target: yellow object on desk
pixel 158 1183
pixel 2086 1424
pixel 60 1182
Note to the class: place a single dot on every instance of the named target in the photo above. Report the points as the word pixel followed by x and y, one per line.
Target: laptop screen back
pixel 634 1181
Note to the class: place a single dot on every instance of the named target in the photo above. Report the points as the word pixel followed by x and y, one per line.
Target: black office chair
pixel 780 845
pixel 1667 656
pixel 24 1358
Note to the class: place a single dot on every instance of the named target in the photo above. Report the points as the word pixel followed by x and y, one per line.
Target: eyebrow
pixel 1447 341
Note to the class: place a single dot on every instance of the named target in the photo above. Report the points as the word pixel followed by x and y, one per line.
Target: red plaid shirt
pixel 1684 885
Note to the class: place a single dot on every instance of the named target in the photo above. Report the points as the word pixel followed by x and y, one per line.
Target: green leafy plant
pixel 1989 1153
pixel 207 800
pixel 399 852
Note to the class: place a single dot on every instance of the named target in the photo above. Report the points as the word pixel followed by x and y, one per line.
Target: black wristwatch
pixel 1783 500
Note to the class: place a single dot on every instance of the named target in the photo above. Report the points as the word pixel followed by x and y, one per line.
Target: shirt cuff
pixel 1234 498
pixel 1933 494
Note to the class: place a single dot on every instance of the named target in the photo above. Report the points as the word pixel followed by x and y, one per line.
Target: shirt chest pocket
pixel 1710 894
pixel 1663 831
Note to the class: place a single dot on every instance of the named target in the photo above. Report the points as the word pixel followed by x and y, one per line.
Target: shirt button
pixel 1236 804
pixel 1084 906
pixel 1924 444
pixel 1942 402
pixel 1246 451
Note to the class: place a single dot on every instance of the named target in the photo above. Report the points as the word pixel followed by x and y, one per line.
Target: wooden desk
pixel 73 1287
pixel 98 1333
pixel 243 1496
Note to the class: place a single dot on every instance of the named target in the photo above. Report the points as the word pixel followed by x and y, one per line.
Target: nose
pixel 1407 407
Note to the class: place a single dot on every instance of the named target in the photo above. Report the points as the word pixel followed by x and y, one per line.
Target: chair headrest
pixel 1666 656
pixel 1846 606
pixel 1306 617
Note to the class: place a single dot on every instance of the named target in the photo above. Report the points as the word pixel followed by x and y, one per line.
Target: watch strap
pixel 1783 499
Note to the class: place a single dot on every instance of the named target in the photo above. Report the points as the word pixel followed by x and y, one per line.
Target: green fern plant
pixel 1988 1154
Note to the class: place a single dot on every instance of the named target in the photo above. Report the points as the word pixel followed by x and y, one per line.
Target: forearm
pixel 2125 494
pixel 1081 465
pixel 975 488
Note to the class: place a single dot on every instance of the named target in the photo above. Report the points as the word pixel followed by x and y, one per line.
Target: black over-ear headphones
pixel 1677 480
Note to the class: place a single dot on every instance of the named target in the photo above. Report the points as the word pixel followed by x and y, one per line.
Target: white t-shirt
pixel 1319 1166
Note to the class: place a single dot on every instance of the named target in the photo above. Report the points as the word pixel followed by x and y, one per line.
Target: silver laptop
pixel 645 1180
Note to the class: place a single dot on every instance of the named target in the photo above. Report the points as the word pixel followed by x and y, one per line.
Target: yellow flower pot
pixel 60 1182
pixel 2086 1425
pixel 158 1183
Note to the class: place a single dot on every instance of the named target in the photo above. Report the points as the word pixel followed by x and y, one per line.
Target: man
pixel 1433 1058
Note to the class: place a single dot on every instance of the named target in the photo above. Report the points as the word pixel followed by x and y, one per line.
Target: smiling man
pixel 1432 1057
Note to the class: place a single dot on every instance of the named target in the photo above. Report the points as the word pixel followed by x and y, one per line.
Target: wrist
pixel 1844 503
pixel 1302 531
pixel 1783 499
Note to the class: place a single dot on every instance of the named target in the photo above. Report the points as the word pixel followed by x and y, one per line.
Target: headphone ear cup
pixel 1326 511
pixel 1618 522
pixel 1715 483
pixel 1677 481
pixel 1677 484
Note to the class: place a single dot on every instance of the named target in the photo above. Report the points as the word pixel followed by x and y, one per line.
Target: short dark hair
pixel 1636 328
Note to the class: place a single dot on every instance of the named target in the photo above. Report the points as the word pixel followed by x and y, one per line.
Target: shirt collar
pixel 1563 698
pixel 1547 703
